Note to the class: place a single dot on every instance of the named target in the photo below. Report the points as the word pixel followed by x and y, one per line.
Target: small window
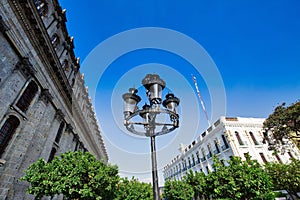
pixel 7 130
pixel 27 96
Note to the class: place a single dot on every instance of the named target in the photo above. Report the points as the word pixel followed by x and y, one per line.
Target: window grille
pixel 7 130
pixel 27 96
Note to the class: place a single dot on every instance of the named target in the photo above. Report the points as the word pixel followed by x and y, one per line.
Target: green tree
pixel 239 180
pixel 284 123
pixel 76 175
pixel 285 176
pixel 199 184
pixel 178 190
pixel 133 190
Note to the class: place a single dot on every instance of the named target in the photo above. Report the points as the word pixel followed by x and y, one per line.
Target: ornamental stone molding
pixel 3 26
pixel 45 96
pixel 59 115
pixel 69 128
pixel 25 67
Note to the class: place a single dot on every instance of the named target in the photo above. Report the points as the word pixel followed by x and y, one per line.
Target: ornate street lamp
pixel 150 117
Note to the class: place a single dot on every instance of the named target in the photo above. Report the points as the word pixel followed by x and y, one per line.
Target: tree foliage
pixel 284 122
pixel 198 182
pixel 178 190
pixel 285 176
pixel 239 180
pixel 76 175
pixel 133 190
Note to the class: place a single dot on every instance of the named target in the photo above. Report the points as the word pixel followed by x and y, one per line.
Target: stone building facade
pixel 228 136
pixel 45 109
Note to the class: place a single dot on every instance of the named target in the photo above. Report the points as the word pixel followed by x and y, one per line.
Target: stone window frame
pixel 14 105
pixel 29 92
pixel 6 137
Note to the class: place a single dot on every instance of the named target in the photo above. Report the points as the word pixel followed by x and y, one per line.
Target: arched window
pixel 263 157
pixel 226 146
pixel 209 155
pixel 203 154
pixel 59 132
pixel 193 160
pixel 7 130
pixel 217 146
pixel 239 138
pixel 41 6
pixel 55 40
pixel 253 138
pixel 27 96
pixel 198 157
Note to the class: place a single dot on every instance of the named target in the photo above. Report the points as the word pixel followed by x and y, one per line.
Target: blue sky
pixel 254 45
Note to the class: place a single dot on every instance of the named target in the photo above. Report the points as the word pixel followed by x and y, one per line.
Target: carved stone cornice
pixel 45 96
pixel 59 115
pixel 3 26
pixel 25 67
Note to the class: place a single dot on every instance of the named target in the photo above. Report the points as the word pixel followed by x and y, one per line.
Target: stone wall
pixel 30 54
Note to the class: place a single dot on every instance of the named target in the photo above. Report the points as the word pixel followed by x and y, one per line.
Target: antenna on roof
pixel 200 98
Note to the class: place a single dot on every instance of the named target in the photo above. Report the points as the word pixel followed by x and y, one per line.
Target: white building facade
pixel 227 137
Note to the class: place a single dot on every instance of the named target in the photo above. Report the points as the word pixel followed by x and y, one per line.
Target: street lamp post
pixel 152 120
